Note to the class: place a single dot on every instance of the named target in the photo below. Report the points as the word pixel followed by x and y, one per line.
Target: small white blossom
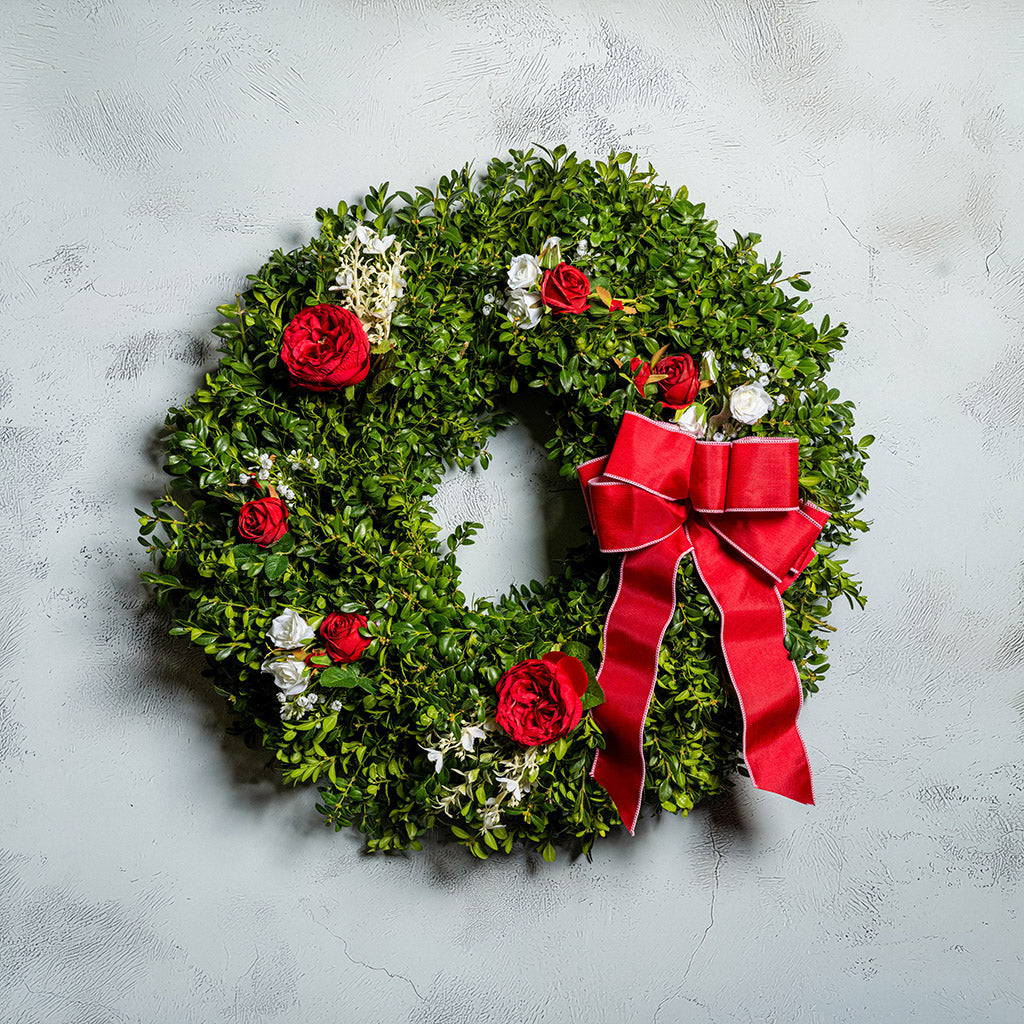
pixel 344 280
pixel 336 705
pixel 512 786
pixel 763 379
pixel 243 478
pixel 719 436
pixel 748 353
pixel 397 282
pixel 290 630
pixel 749 402
pixel 371 241
pixel 523 272
pixel 264 474
pixel 524 309
pixel 581 249
pixel 290 674
pixel 314 462
pixel 266 462
pixel 470 734
pixel 435 757
pixel 492 818
pixel 282 698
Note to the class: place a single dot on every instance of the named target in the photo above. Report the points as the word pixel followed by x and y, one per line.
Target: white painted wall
pixel 154 153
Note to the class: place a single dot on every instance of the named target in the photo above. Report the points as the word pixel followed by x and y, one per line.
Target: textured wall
pixel 154 154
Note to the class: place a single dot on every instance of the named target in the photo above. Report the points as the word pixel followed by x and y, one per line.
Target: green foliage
pixel 361 533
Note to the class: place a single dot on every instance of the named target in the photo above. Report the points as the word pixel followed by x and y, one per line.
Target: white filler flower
pixel 289 674
pixel 523 272
pixel 290 630
pixel 524 309
pixel 435 757
pixel 749 402
pixel 470 734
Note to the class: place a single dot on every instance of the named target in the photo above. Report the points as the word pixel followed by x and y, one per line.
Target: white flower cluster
pixel 370 281
pixel 289 631
pixel 523 304
pixel 459 745
pixel 512 777
pixel 266 469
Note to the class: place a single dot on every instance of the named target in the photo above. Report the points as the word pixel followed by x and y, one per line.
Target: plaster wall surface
pixel 155 153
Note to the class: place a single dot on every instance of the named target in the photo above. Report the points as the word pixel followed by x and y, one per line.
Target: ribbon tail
pixel 636 624
pixel 766 680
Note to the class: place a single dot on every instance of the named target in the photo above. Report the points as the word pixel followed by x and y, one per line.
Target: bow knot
pixel 735 508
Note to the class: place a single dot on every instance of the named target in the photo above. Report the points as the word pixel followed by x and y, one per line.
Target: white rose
pixel 693 420
pixel 524 309
pixel 290 674
pixel 289 630
pixel 523 272
pixel 749 402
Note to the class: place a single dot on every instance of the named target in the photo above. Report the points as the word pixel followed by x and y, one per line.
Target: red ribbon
pixel 735 507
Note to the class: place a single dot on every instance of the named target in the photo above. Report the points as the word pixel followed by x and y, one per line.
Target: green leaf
pixel 866 441
pixel 343 677
pixel 593 696
pixel 275 566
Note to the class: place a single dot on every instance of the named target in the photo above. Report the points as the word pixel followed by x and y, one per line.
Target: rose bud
pixel 263 521
pixel 565 289
pixel 681 383
pixel 340 634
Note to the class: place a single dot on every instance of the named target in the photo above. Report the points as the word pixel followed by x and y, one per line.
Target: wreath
pixel 296 543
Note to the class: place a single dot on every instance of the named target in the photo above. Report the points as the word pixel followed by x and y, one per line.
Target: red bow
pixel 735 507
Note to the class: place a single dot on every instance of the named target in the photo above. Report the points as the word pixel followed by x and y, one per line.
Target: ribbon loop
pixel 735 507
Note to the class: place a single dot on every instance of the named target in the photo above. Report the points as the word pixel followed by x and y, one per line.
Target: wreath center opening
pixel 531 516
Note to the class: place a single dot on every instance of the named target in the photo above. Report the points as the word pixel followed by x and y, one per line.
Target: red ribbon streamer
pixel 734 506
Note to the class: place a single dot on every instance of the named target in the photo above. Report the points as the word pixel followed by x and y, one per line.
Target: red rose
pixel 340 634
pixel 263 521
pixel 325 347
pixel 642 371
pixel 681 383
pixel 539 699
pixel 565 289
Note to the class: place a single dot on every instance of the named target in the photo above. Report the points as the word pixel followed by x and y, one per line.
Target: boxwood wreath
pixel 296 544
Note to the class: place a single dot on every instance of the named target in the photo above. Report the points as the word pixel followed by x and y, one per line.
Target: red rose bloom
pixel 325 347
pixel 565 289
pixel 263 521
pixel 340 634
pixel 681 383
pixel 539 699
